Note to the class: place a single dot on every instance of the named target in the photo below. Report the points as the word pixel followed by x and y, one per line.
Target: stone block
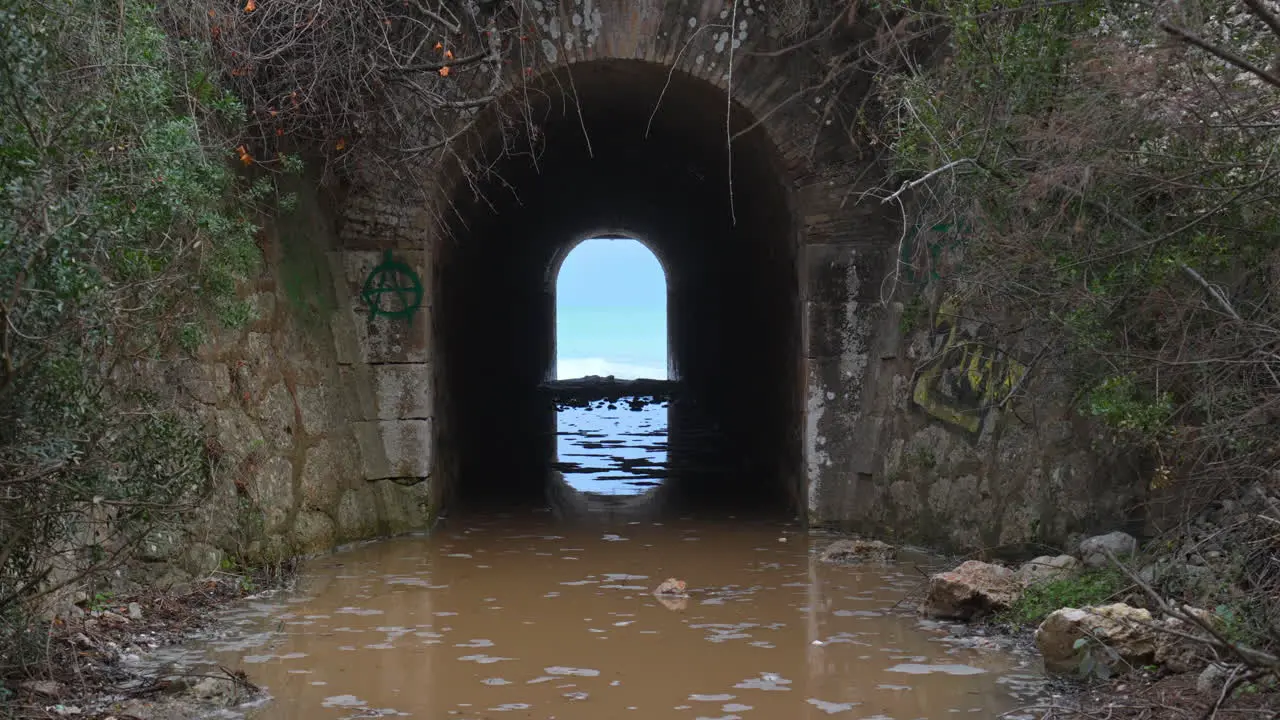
pixel 389 392
pixel 316 408
pixel 314 532
pixel 201 559
pixel 257 348
pixel 404 507
pixel 277 417
pixel 394 448
pixel 236 432
pixel 359 338
pixel 346 343
pixel 391 323
pixel 838 273
pixel 395 340
pixel 263 306
pixel 160 544
pixel 208 383
pixel 835 444
pixel 326 468
pixel 358 514
pixel 272 489
pixel 831 328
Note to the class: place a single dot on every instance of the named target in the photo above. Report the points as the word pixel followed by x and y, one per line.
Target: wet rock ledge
pixel 585 391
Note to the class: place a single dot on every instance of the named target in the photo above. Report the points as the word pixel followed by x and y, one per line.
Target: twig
pixel 577 104
pixel 1221 53
pixel 1212 291
pixel 671 72
pixel 1264 15
pixel 1249 656
pixel 728 108
pixel 909 185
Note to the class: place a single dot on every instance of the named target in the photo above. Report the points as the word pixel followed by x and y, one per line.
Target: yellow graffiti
pixel 979 375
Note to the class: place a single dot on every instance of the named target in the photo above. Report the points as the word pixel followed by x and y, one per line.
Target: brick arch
pixel 684 36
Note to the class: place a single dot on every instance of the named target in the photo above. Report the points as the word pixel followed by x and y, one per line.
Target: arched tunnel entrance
pixel 603 161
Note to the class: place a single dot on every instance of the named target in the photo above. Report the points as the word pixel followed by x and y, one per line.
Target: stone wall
pixel 965 434
pixel 288 411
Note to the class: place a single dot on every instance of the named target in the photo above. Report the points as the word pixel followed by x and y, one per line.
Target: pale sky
pixel 611 312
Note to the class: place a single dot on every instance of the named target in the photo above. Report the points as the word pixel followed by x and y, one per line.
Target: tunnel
pixel 622 149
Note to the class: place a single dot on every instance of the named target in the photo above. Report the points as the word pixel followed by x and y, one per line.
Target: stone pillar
pixel 840 285
pixel 382 329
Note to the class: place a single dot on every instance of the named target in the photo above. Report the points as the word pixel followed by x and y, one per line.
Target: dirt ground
pixel 81 670
pixel 1174 697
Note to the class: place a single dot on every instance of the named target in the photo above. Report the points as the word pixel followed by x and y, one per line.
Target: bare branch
pixel 1219 52
pixel 1264 15
pixel 918 181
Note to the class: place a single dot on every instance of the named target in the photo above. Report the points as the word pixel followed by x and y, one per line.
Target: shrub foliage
pixel 1117 168
pixel 125 231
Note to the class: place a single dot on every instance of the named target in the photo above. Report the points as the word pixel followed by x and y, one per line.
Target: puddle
pixel 502 626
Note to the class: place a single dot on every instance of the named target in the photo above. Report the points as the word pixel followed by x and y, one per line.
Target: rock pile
pixel 976 589
pixel 1121 637
pixel 1107 639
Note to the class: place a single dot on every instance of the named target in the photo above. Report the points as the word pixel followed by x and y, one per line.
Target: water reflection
pixel 536 620
pixel 612 448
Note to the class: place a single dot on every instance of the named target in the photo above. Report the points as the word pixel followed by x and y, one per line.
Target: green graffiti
pixel 392 289
pixel 945 236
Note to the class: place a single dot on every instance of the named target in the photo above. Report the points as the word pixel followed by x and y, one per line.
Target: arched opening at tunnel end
pixel 612 156
pixel 611 382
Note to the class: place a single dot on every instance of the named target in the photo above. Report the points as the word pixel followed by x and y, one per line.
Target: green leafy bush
pixel 1091 587
pixel 128 226
pixel 1122 190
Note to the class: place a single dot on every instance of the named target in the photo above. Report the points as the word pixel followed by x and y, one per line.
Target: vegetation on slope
pixel 124 233
pixel 140 142
pixel 1116 169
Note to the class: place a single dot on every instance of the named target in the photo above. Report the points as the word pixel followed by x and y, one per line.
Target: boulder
pixel 1047 568
pixel 1120 544
pixel 847 552
pixel 1125 632
pixel 314 532
pixel 971 590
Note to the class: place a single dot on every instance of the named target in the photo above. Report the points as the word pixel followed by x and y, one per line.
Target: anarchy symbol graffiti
pixel 392 289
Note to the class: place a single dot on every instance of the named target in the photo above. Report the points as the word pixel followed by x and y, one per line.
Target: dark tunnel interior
pixel 733 302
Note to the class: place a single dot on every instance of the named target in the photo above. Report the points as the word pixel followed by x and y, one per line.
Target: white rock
pixel 1047 568
pixel 1120 544
pixel 1126 631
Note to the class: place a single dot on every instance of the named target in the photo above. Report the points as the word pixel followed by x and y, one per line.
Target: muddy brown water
pixel 522 618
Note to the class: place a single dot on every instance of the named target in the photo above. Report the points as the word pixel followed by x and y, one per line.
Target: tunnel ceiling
pixel 582 151
pixel 592 129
